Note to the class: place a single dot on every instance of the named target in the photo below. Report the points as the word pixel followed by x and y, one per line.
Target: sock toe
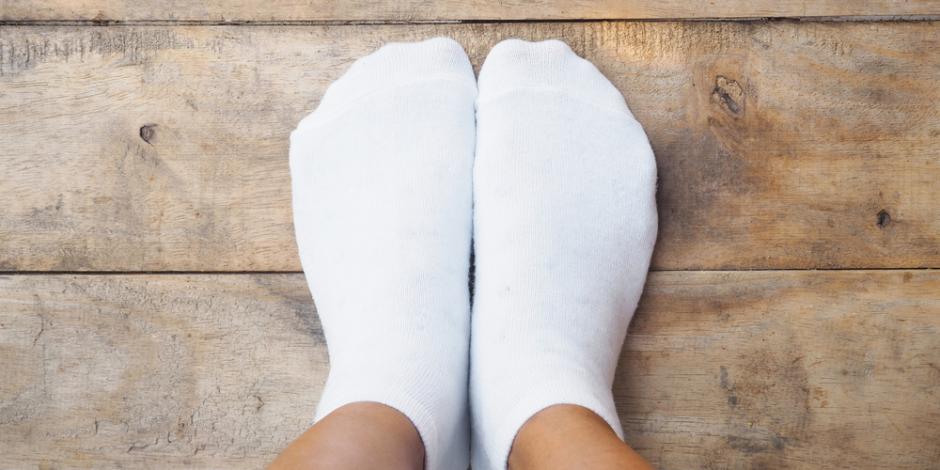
pixel 546 66
pixel 399 64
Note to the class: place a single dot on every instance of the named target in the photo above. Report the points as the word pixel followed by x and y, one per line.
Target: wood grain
pixel 771 369
pixel 780 145
pixel 155 371
pixel 450 10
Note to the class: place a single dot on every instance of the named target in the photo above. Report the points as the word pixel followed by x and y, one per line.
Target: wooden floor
pixel 152 313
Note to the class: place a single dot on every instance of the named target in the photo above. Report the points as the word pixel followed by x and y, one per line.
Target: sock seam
pixel 321 118
pixel 560 91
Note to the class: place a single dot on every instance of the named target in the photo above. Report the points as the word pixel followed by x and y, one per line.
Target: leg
pixel 381 186
pixel 564 228
pixel 567 436
pixel 355 436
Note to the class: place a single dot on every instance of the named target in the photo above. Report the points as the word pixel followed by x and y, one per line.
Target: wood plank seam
pixel 310 23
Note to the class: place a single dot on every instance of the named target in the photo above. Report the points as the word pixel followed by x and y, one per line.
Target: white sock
pixel 381 177
pixel 564 227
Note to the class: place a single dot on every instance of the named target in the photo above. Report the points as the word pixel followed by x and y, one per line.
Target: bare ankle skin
pixel 570 436
pixel 356 436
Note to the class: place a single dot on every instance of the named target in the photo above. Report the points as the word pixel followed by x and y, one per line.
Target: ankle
pixel 357 435
pixel 558 436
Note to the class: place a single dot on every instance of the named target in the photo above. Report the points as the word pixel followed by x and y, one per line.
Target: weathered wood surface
pixel 773 369
pixel 780 145
pixel 423 10
pixel 155 371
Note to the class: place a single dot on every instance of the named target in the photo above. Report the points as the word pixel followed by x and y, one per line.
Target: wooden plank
pixel 780 145
pixel 785 370
pixel 155 371
pixel 771 369
pixel 420 10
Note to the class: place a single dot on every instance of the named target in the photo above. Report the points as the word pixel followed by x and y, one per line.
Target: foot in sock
pixel 564 227
pixel 381 181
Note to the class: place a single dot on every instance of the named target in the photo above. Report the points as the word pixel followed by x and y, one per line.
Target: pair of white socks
pixel 544 170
